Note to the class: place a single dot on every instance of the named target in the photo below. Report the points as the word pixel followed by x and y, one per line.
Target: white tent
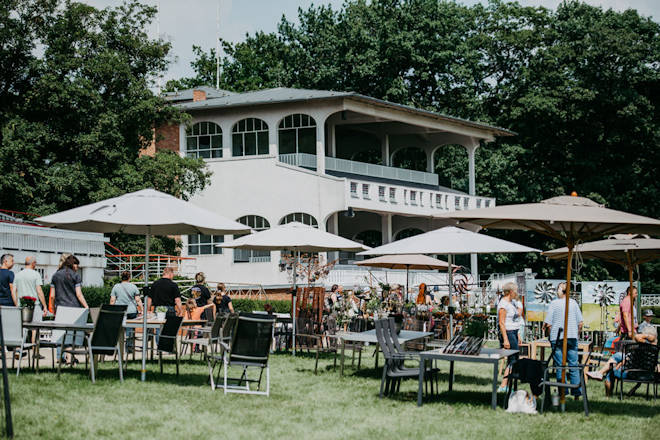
pixel 295 237
pixel 451 241
pixel 146 212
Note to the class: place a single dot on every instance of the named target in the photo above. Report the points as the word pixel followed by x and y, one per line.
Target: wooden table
pixel 583 346
pixel 52 325
pixel 369 337
pixel 486 356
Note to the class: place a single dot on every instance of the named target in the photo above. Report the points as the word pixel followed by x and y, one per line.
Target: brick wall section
pixel 167 138
pixel 199 95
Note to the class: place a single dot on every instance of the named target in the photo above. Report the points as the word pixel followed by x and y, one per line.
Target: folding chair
pixel 14 334
pixel 167 340
pixel 65 315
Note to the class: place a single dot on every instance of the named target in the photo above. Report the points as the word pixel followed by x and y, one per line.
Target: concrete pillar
pixel 226 139
pixel 430 162
pixel 474 267
pixel 182 141
pixel 272 138
pixel 471 150
pixel 386 228
pixel 386 150
pixel 320 146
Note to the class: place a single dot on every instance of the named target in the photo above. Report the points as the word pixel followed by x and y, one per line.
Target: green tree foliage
pixel 579 84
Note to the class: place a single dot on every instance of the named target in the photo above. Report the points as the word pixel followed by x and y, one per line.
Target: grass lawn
pixel 301 405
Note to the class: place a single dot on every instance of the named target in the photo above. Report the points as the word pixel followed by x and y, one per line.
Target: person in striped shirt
pixel 554 320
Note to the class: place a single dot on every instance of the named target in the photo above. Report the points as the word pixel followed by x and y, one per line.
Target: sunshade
pixel 567 218
pixel 451 241
pixel 145 212
pixel 296 237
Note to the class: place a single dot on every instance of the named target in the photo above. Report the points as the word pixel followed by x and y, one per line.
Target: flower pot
pixel 27 313
pixel 160 316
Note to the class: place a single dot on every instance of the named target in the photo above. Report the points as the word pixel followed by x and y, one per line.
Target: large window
pixel 204 244
pixel 297 134
pixel 257 223
pixel 299 217
pixel 204 139
pixel 410 232
pixel 249 137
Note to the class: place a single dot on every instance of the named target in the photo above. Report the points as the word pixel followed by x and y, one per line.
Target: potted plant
pixel 27 307
pixel 476 325
pixel 161 311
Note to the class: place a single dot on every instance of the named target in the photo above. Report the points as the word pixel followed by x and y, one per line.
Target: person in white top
pixel 28 283
pixel 509 314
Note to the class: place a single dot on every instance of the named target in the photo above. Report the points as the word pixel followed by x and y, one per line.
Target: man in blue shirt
pixel 7 290
pixel 554 320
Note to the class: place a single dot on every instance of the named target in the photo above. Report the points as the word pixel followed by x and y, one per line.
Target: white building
pixel 282 154
pixel 23 240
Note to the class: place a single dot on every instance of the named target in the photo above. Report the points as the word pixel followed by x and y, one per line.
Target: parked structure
pixel 282 155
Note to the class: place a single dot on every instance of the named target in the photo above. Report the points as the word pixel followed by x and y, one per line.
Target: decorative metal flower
pixel 544 292
pixel 605 294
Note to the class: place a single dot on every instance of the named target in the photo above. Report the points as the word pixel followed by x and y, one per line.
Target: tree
pixel 579 84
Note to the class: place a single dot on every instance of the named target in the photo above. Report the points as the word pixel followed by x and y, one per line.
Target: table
pixel 583 346
pixel 486 356
pixel 369 337
pixel 52 325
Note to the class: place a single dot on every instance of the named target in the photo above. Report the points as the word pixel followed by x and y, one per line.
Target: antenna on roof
pixel 217 48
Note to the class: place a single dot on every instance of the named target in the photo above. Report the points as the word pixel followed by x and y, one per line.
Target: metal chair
pixel 105 339
pixel 167 340
pixel 204 337
pixel 249 348
pixel 639 365
pixel 65 315
pixel 15 335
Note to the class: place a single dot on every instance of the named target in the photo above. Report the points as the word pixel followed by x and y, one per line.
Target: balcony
pixel 361 168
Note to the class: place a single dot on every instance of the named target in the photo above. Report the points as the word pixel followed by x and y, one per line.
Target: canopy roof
pixel 143 212
pixel 449 240
pixel 620 249
pixel 295 236
pixel 415 261
pixel 563 217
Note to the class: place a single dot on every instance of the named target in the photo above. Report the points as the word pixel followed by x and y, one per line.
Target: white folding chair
pixel 14 334
pixel 66 315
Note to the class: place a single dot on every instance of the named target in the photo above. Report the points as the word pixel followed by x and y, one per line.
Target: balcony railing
pixel 361 168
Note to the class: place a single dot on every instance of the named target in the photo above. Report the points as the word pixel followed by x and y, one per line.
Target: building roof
pixel 187 95
pixel 284 95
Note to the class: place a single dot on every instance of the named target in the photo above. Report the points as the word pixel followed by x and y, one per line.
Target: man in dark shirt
pixel 165 292
pixel 7 290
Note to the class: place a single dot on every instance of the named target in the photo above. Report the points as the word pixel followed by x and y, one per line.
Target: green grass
pixel 301 405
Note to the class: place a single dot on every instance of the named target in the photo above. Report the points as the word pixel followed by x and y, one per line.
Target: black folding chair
pixel 105 339
pixel 640 361
pixel 250 344
pixel 167 340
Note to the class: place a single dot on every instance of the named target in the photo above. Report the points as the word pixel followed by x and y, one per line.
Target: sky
pixel 185 23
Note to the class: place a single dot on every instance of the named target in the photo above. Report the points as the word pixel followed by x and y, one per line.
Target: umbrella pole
pixel 145 337
pixel 407 280
pixel 632 305
pixel 295 302
pixel 564 349
pixel 450 260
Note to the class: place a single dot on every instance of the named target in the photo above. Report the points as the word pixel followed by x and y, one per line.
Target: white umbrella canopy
pixel 620 249
pixel 449 240
pixel 414 261
pixel 296 237
pixel 145 212
pixel 567 218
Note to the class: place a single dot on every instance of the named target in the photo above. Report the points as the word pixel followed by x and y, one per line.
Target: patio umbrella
pixel 407 262
pixel 295 237
pixel 451 241
pixel 146 212
pixel 626 250
pixel 566 218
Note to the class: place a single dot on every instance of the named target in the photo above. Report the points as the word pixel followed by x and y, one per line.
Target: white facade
pixel 48 244
pixel 342 194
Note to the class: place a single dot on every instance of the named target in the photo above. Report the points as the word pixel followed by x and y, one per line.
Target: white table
pixel 486 356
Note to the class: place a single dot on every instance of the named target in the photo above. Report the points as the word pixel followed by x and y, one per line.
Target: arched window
pixel 297 134
pixel 204 139
pixel 257 223
pixel 410 158
pixel 409 232
pixel 299 217
pixel 371 238
pixel 249 137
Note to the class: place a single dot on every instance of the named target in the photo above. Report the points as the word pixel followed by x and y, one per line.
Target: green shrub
pixel 249 305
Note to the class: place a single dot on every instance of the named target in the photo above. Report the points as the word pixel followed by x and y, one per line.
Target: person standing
pixel 28 282
pixel 165 292
pixel 127 294
pixel 222 300
pixel 624 310
pixel 66 285
pixel 554 320
pixel 201 293
pixel 509 313
pixel 7 289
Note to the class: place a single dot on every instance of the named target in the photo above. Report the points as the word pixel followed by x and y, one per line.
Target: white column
pixel 334 228
pixel 226 139
pixel 332 139
pixel 474 268
pixel 182 140
pixel 320 146
pixel 430 165
pixel 386 151
pixel 386 228
pixel 471 152
pixel 272 138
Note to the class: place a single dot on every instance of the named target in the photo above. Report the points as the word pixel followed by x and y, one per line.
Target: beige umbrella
pixel 407 262
pixel 567 218
pixel 625 250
